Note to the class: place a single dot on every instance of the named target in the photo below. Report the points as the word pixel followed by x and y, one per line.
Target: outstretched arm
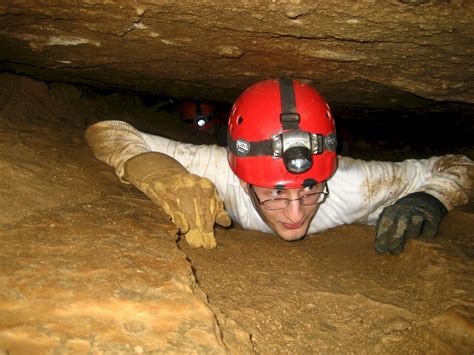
pixel 190 200
pixel 411 198
pixel 114 142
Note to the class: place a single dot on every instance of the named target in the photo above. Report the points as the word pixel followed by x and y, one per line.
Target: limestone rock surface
pixel 87 265
pixel 378 53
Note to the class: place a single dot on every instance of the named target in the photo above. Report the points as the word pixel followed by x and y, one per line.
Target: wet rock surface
pixel 88 264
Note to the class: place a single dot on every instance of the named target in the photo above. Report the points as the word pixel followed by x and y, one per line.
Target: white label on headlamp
pixel 242 147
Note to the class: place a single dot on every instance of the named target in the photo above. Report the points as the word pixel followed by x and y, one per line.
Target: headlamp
pixel 297 159
pixel 200 120
pixel 296 148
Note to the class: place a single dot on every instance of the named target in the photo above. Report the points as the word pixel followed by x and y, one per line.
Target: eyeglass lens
pixel 305 200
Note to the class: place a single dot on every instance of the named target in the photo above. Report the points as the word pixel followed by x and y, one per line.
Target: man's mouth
pixel 292 225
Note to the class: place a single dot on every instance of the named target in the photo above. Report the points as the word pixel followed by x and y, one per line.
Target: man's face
pixel 292 222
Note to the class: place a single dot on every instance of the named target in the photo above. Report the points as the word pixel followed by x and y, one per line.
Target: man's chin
pixel 291 238
pixel 292 235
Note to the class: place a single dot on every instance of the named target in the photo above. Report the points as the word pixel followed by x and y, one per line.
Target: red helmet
pixel 281 134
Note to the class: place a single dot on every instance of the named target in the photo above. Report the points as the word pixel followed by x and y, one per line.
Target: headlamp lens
pixel 297 159
pixel 201 121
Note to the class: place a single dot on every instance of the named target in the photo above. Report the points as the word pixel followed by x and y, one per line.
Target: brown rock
pixel 86 264
pixel 361 52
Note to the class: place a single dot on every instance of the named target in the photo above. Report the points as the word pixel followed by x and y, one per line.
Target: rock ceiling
pixel 365 52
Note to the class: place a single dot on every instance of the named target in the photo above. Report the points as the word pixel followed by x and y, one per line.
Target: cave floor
pixel 89 264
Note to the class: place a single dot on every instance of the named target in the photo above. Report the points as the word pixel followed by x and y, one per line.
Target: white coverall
pixel 358 191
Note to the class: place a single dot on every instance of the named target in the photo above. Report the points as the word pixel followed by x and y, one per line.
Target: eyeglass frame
pixel 324 193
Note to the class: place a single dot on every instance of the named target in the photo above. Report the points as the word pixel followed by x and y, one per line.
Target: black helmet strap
pixel 290 119
pixel 243 148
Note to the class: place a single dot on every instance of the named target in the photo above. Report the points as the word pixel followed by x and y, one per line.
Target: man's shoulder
pixel 348 164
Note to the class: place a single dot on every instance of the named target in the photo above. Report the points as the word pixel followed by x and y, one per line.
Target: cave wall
pixel 372 53
pixel 397 55
pixel 87 265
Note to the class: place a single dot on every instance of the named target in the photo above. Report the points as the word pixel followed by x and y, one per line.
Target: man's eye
pixel 310 188
pixel 275 193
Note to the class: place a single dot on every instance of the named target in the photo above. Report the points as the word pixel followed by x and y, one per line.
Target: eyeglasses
pixel 310 199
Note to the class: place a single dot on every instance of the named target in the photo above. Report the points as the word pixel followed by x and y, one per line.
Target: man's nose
pixel 295 211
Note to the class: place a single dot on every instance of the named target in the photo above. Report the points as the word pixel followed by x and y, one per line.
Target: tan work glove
pixel 190 200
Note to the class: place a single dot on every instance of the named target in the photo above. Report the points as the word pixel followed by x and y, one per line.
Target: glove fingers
pixel 171 207
pixel 180 220
pixel 396 241
pixel 209 240
pixel 193 205
pixel 397 250
pixel 223 219
pixel 204 220
pixel 430 228
pixel 385 226
pixel 194 238
pixel 415 215
pixel 391 234
pixel 414 227
pixel 201 225
pixel 217 209
pixel 208 208
pixel 197 239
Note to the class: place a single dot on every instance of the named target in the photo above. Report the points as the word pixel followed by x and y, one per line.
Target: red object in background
pixel 198 114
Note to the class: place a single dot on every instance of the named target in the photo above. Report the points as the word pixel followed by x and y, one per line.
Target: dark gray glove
pixel 416 215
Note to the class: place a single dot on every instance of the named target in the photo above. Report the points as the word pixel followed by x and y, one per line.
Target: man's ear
pixel 245 186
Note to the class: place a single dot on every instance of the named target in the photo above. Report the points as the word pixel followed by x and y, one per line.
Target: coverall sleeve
pixel 114 142
pixel 449 178
pixel 360 190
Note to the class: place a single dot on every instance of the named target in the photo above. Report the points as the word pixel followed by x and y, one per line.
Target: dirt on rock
pixel 328 293
pixel 331 293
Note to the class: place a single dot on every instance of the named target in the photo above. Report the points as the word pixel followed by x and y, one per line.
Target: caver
pixel 280 174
